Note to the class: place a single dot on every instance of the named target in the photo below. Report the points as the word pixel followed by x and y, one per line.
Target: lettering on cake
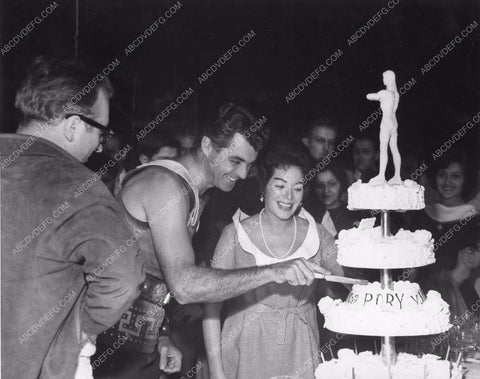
pixel 400 299
pixel 381 299
pixel 419 298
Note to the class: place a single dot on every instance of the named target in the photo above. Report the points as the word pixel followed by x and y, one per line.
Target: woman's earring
pixel 261 197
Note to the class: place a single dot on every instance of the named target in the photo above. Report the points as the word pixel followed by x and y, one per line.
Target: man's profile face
pixel 231 163
pixel 321 141
pixel 90 139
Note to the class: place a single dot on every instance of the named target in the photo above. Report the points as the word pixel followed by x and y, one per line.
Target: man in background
pixel 320 137
pixel 365 158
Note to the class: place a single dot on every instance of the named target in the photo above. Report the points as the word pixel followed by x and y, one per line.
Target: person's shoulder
pixel 247 220
pixel 154 179
pixel 229 229
pixel 72 178
pixel 251 224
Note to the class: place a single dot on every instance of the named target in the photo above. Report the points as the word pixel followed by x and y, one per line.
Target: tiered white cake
pixel 401 310
pixel 406 196
pixel 366 365
pixel 365 247
pixel 372 311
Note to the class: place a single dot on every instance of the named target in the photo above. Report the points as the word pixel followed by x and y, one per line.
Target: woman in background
pixel 330 186
pixel 271 331
pixel 455 228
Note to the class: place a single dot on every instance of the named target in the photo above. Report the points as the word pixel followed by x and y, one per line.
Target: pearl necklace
pixel 265 241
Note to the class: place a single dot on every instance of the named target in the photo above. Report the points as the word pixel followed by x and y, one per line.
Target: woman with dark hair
pixel 454 225
pixel 330 188
pixel 272 330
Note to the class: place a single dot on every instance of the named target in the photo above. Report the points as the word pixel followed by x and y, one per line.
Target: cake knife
pixel 340 279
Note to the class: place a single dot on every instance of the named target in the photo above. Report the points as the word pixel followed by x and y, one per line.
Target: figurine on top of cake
pixel 378 193
pixel 389 99
pixel 387 308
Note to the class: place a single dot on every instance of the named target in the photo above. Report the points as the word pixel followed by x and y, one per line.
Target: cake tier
pixel 406 196
pixel 367 248
pixel 366 365
pixel 371 310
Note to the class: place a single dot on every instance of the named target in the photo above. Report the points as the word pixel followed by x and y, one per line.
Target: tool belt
pixel 139 327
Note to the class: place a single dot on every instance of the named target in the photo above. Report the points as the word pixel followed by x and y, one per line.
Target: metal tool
pixel 340 279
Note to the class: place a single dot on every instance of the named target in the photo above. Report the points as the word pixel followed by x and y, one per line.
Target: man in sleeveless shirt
pixel 161 199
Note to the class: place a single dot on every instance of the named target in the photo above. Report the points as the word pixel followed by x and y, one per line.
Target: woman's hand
pixel 467 260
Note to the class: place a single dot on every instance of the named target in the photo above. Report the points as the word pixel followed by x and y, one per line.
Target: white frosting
pixel 404 296
pixel 366 247
pixel 371 310
pixel 366 365
pixel 406 196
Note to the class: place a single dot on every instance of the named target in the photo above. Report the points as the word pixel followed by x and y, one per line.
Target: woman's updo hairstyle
pixel 281 155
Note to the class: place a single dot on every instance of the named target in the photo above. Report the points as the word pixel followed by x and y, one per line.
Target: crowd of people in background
pixel 242 201
pixel 451 192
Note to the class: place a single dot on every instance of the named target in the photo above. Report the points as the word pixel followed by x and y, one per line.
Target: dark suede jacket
pixel 67 263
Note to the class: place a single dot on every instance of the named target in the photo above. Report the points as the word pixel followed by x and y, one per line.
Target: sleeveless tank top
pixel 139 326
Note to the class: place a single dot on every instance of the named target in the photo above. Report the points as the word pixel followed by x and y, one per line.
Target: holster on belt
pixel 138 328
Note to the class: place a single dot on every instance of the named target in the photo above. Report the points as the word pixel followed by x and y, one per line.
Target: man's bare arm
pixel 191 283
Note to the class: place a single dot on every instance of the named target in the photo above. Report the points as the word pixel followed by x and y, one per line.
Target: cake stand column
pixel 389 355
pixel 386 275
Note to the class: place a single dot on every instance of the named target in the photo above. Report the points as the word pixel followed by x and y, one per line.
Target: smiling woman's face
pixel 284 192
pixel 450 182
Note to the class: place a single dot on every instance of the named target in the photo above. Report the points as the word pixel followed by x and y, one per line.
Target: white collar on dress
pixel 307 249
pixel 442 213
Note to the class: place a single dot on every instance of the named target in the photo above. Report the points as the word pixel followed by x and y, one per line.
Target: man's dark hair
pixel 54 87
pixel 370 136
pixel 233 119
pixel 326 122
pixel 155 140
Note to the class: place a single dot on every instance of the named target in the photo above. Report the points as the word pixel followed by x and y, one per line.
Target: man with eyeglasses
pixel 105 132
pixel 69 264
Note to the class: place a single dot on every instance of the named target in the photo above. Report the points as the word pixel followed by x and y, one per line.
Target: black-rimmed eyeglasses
pixel 106 132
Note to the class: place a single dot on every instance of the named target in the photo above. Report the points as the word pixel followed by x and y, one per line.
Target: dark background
pixel 292 39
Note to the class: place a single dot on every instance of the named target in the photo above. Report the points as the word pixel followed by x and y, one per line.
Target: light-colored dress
pixel 272 330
